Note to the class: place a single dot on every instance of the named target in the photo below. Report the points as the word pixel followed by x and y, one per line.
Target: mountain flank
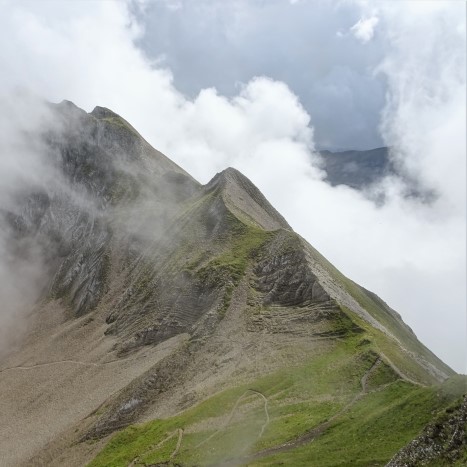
pixel 186 324
pixel 357 169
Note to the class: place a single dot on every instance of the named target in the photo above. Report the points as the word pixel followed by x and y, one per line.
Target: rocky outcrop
pixel 443 442
pixel 286 280
pixel 103 168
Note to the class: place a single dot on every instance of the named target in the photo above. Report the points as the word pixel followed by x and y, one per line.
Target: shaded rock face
pixel 100 163
pixel 169 307
pixel 286 280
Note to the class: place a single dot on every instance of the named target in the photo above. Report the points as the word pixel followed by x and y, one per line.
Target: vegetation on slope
pixel 392 322
pixel 229 265
pixel 361 411
pixel 355 405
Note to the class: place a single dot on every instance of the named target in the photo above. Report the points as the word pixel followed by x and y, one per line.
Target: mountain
pixel 176 323
pixel 357 169
pixel 365 169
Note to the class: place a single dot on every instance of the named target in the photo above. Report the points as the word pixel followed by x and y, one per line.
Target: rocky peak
pixel 103 112
pixel 244 199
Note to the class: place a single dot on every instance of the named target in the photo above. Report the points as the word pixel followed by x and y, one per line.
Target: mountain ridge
pixel 358 169
pixel 165 294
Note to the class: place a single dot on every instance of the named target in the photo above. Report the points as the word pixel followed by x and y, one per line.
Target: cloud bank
pixel 410 252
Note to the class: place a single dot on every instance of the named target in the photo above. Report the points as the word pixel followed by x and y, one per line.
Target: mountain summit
pixel 186 324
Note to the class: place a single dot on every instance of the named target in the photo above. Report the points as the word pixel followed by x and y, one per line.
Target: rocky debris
pixel 131 403
pixel 443 441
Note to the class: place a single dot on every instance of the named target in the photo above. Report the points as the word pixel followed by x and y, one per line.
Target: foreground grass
pixel 371 432
pixel 227 425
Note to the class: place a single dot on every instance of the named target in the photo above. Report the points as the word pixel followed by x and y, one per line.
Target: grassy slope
pixel 379 310
pixel 369 432
pixel 244 239
pixel 299 398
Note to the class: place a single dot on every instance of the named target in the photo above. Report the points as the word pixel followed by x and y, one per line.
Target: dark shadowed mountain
pixel 357 169
pixel 188 325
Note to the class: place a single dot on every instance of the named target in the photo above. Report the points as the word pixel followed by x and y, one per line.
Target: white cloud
pixel 412 254
pixel 364 28
pixel 173 5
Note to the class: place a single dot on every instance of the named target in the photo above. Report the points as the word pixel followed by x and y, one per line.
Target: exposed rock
pixel 245 200
pixel 443 442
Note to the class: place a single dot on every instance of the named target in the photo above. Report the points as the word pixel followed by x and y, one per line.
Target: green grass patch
pixel 379 310
pixel 383 344
pixel 244 243
pixel 299 398
pixel 370 433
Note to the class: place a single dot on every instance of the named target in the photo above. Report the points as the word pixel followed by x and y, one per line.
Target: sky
pixel 261 86
pixel 222 44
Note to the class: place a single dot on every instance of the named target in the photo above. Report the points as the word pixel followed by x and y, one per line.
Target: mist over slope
pixel 194 308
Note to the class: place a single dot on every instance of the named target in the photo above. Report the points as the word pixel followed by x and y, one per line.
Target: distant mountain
pixel 188 325
pixel 357 169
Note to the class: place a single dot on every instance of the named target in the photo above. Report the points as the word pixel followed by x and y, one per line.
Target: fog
pixel 22 170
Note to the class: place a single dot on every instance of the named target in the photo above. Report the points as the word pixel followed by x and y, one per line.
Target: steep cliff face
pixel 160 292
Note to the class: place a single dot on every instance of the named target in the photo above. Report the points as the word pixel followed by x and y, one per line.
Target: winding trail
pixel 313 433
pixel 136 461
pixel 155 447
pixel 399 372
pixel 179 443
pixel 305 438
pixel 266 412
pixel 364 380
pixel 58 362
pixel 232 413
